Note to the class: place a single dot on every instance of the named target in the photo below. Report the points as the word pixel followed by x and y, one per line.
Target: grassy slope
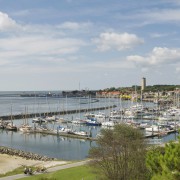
pixel 76 173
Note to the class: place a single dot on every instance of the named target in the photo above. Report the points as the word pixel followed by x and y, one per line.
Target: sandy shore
pixel 9 163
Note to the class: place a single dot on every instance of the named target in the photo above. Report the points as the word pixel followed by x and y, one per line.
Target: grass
pixel 16 171
pixel 76 173
pixel 19 170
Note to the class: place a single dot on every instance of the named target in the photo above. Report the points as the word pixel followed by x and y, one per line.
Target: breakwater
pixel 31 115
pixel 23 154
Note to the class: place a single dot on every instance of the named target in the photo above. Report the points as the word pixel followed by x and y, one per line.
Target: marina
pixel 69 136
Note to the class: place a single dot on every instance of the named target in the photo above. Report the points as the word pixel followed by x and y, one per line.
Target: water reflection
pixel 47 145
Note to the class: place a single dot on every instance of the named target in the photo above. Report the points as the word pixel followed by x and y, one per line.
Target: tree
pixel 120 154
pixel 164 162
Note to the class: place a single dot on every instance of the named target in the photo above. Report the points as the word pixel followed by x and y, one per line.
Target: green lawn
pixel 76 173
pixel 16 171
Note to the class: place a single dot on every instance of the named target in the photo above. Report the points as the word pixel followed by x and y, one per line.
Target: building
pixel 143 83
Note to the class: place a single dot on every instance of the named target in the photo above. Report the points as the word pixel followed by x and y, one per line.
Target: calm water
pixel 13 100
pixel 52 146
pixel 48 145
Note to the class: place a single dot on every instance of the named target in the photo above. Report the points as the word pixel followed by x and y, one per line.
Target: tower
pixel 143 84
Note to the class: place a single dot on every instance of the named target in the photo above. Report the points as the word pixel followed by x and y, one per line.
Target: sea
pixel 64 148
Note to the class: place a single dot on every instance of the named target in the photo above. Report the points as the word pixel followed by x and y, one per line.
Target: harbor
pixel 90 90
pixel 66 128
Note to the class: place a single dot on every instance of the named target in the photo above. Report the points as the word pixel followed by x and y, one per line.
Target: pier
pixel 160 133
pixel 48 132
pixel 69 135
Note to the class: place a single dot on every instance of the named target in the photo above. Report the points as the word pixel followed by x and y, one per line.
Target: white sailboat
pixel 25 127
pixel 10 126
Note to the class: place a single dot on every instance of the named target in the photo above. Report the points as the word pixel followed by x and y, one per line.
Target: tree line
pixel 153 88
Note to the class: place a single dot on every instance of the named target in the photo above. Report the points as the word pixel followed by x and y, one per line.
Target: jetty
pixel 69 135
pixel 156 134
pixel 89 137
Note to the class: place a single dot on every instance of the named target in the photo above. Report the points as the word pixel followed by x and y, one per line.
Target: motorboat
pixel 92 123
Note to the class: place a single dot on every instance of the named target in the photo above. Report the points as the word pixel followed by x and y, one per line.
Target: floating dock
pixel 160 133
pixel 49 132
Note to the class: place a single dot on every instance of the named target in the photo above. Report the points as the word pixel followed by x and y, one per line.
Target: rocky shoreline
pixel 23 154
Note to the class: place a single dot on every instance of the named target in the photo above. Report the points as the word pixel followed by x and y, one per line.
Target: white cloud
pixel 6 23
pixel 164 15
pixel 159 35
pixel 148 16
pixel 108 41
pixel 16 48
pixel 27 44
pixel 158 56
pixel 74 25
pixel 159 15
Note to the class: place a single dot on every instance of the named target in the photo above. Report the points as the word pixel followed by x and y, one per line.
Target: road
pixel 52 169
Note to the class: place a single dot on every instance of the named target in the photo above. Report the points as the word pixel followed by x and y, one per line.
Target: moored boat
pixel 11 127
pixel 92 123
pixel 26 128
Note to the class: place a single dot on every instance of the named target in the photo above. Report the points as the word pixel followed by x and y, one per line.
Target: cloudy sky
pixel 88 44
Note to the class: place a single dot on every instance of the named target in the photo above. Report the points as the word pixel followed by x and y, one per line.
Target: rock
pixel 23 154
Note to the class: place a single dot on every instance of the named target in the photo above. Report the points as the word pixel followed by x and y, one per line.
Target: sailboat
pixel 25 127
pixel 78 120
pixel 10 126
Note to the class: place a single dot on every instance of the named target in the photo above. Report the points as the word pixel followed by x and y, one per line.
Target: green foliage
pixel 165 162
pixel 153 88
pixel 120 153
pixel 156 88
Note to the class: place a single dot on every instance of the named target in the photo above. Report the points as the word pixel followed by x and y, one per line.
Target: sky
pixel 88 44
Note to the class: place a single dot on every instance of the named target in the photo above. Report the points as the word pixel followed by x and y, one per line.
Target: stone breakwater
pixel 23 154
pixel 32 115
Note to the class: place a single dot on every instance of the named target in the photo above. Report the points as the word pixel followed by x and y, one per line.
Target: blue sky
pixel 91 44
